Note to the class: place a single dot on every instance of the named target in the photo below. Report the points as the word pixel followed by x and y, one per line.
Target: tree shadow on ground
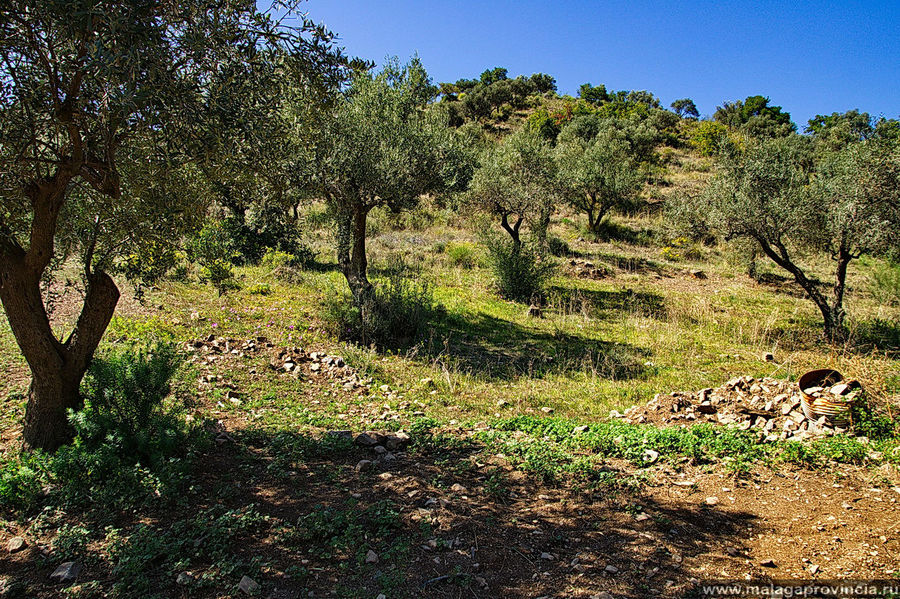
pixel 601 304
pixel 633 264
pixel 613 231
pixel 498 349
pixel 442 519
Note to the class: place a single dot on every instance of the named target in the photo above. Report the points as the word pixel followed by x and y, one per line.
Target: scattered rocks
pixel 588 270
pixel 768 563
pixel 610 569
pixel 16 544
pixel 66 572
pixel 547 556
pixel 371 557
pixel 458 488
pixel 248 586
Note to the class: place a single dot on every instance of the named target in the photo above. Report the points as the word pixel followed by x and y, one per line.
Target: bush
pixel 148 267
pixel 260 289
pixel 462 254
pixel 125 392
pixel 264 226
pixel 558 247
pixel 214 251
pixel 301 257
pixel 130 448
pixel 708 136
pixel 393 314
pixel 681 248
pixel 520 274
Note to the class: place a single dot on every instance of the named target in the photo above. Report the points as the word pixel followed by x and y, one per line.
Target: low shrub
pixel 125 401
pixel 520 273
pixel 462 254
pixel 393 314
pixel 558 247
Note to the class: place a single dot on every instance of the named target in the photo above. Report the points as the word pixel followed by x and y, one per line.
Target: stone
pixel 458 488
pixel 768 563
pixel 184 578
pixel 813 569
pixel 343 435
pixel 379 450
pixel 546 555
pixel 581 429
pixel 602 595
pixel 534 311
pixel 371 557
pixel 248 586
pixel 16 544
pixel 610 569
pixel 397 441
pixel 66 572
pixel 769 357
pixel 368 439
pixel 706 407
pixel 547 410
pixel 732 551
pixel 712 500
pixel 650 456
pixel 363 465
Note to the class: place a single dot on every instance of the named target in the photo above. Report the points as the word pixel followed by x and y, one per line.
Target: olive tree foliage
pixel 599 174
pixel 381 147
pixel 517 183
pixel 845 204
pixel 102 106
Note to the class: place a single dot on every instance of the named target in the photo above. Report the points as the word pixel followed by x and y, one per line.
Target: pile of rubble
pixel 768 405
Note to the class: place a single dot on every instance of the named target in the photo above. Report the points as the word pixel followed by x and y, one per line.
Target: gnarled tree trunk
pixel 352 250
pixel 56 367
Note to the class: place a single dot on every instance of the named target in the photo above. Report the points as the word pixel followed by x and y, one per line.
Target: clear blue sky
pixel 808 57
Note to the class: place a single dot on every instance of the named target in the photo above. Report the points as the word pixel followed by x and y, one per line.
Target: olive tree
pixel 381 148
pixel 101 105
pixel 599 174
pixel 844 204
pixel 517 183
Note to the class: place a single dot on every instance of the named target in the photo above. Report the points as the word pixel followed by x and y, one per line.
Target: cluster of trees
pixel 111 117
pixel 493 96
pixel 122 125
pixel 835 191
